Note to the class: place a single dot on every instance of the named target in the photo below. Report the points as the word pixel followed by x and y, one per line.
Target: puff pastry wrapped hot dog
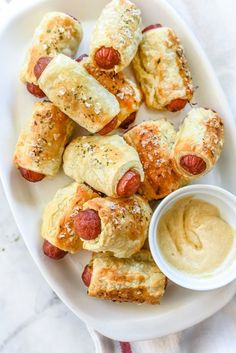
pixel 154 140
pixel 119 226
pixel 41 144
pixel 56 33
pixel 161 69
pixel 199 142
pixel 116 35
pixel 136 279
pixel 58 220
pixel 107 163
pixel 126 92
pixel 70 87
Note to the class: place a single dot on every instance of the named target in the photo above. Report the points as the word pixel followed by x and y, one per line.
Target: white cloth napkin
pixel 215 335
pixel 214 24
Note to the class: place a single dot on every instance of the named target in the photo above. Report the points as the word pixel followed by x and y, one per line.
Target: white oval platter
pixel 180 307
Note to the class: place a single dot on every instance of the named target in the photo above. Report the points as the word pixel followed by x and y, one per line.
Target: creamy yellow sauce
pixel 193 237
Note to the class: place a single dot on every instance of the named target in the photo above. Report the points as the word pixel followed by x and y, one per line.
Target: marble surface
pixel 32 318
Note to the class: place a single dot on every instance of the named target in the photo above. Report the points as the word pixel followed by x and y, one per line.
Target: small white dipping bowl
pixel 226 203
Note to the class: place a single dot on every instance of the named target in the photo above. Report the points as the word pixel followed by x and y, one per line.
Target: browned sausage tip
pixel 40 66
pixel 128 184
pixel 176 104
pixel 35 90
pixel 129 120
pixel 107 58
pixel 193 164
pixel 31 176
pixel 87 275
pixel 87 224
pixel 52 251
pixel 148 28
pixel 109 127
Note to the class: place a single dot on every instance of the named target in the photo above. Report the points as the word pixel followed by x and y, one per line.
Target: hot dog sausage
pixel 52 251
pixel 87 275
pixel 193 164
pixel 109 127
pixel 148 28
pixel 87 224
pixel 35 90
pixel 41 65
pixel 129 120
pixel 176 104
pixel 31 176
pixel 81 57
pixel 107 58
pixel 128 184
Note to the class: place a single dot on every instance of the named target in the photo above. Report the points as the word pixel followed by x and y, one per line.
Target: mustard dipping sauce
pixel 193 237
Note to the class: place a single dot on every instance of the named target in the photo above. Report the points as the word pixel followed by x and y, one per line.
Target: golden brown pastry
pixel 70 87
pixel 161 69
pixel 116 35
pixel 107 163
pixel 41 144
pixel 126 92
pixel 154 140
pixel 119 226
pixel 58 220
pixel 56 33
pixel 199 143
pixel 136 279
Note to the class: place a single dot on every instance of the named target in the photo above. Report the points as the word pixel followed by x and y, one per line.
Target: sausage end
pixel 35 90
pixel 87 275
pixel 176 104
pixel 129 120
pixel 109 127
pixel 193 164
pixel 31 176
pixel 128 184
pixel 52 251
pixel 87 224
pixel 148 28
pixel 40 66
pixel 107 57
